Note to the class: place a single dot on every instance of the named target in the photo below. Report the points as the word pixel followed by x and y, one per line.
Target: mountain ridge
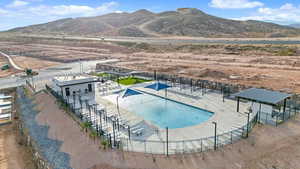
pixel 295 25
pixel 144 23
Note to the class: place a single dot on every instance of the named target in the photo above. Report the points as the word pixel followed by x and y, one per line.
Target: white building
pixel 73 88
pixel 5 108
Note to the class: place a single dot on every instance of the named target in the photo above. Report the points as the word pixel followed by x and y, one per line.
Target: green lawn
pixel 101 74
pixel 132 80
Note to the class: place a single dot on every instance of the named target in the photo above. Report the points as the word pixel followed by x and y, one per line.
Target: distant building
pixel 5 108
pixel 73 88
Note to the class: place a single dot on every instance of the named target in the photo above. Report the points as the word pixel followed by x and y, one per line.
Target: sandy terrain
pixel 5 73
pixel 26 62
pixel 276 72
pixel 269 66
pixel 12 155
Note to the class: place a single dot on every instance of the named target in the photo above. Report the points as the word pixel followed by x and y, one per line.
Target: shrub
pixel 287 52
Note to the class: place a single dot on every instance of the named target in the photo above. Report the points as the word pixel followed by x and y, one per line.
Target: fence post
pixel 182 147
pixel 215 144
pixel 127 144
pixel 145 146
pixel 201 145
pixel 231 136
pixel 167 139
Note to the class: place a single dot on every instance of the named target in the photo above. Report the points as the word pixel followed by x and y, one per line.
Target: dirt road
pixel 11 61
pixel 270 66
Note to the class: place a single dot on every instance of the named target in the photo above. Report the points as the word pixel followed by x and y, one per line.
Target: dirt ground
pixel 5 73
pixel 12 154
pixel 25 62
pixel 271 66
pixel 267 147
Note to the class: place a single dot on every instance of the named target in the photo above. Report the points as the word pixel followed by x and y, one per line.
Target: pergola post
pixel 259 113
pixel 238 105
pixel 284 107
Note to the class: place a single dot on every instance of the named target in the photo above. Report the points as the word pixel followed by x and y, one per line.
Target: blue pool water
pixel 164 112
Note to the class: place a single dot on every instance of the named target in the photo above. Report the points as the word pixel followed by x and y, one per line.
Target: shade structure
pixel 130 92
pixel 263 96
pixel 158 86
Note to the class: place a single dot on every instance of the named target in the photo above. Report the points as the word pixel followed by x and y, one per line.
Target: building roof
pixel 74 80
pixel 5 108
pixel 2 96
pixel 72 77
pixel 263 95
pixel 3 104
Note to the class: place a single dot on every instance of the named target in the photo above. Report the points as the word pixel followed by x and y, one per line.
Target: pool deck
pixel 224 113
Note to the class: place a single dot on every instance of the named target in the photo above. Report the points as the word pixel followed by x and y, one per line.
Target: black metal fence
pixel 91 120
pixel 188 146
pixel 293 104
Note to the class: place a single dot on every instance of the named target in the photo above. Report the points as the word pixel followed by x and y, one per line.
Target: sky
pixel 18 13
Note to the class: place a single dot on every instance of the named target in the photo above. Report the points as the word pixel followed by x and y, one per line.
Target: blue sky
pixel 16 13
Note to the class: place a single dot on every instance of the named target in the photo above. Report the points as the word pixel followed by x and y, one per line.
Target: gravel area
pixel 49 148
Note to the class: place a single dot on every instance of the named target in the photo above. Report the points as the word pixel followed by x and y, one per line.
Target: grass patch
pixel 101 74
pixel 132 81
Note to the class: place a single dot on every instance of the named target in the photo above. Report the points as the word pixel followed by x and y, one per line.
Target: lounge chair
pixel 138 132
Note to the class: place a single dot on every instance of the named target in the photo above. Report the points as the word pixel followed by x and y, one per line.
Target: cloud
pixel 2 11
pixel 4 26
pixel 235 4
pixel 285 14
pixel 36 13
pixel 17 3
pixel 72 10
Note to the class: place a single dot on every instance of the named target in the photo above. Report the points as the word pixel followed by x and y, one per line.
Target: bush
pixel 287 52
pixel 104 144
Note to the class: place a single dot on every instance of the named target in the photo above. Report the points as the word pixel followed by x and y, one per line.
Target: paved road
pixel 180 40
pixel 46 74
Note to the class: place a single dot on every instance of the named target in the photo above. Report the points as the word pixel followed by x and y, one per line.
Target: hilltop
pixel 144 23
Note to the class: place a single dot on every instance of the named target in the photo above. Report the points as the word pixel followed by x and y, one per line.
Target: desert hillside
pixel 143 23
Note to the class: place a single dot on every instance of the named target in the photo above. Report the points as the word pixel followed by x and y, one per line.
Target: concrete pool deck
pixel 224 114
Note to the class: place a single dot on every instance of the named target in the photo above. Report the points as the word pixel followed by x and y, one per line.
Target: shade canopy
pixel 130 92
pixel 158 86
pixel 263 96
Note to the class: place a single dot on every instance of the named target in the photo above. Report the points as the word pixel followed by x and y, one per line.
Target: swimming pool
pixel 164 112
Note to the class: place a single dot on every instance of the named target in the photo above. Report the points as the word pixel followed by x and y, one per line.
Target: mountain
pixel 143 23
pixel 295 25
